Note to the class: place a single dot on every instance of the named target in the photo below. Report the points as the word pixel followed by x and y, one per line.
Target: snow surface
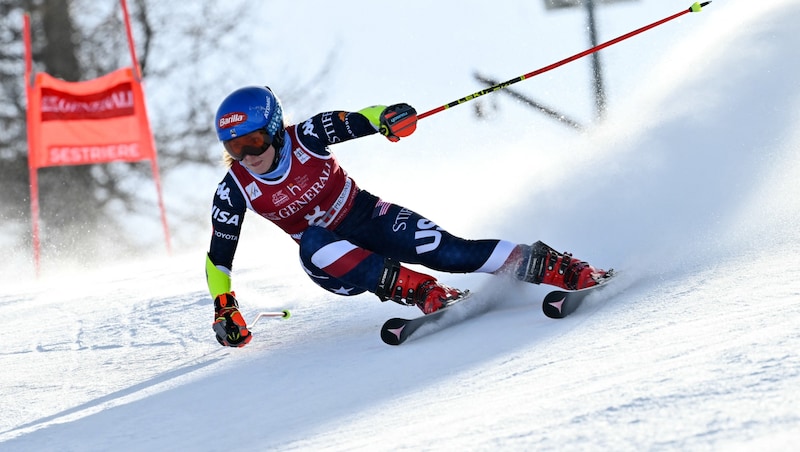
pixel 691 190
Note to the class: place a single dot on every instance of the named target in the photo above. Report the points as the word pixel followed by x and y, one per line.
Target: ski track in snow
pixel 693 347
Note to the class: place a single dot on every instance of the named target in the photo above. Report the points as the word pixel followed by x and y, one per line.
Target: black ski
pixel 561 303
pixel 557 304
pixel 396 331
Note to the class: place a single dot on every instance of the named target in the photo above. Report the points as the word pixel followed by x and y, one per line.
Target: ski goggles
pixel 254 143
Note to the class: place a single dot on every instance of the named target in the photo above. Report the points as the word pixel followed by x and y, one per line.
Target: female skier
pixel 350 241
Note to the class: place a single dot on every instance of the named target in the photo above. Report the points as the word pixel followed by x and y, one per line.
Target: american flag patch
pixel 381 207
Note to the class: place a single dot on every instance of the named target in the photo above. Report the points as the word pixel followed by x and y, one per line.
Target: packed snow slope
pixel 690 190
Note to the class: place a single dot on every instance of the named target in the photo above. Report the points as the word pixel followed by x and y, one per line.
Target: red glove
pixel 229 324
pixel 398 121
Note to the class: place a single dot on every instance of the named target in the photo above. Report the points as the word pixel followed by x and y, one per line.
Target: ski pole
pixel 285 314
pixel 696 7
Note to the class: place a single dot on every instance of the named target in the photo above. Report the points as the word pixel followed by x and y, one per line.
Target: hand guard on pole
pixel 398 121
pixel 229 325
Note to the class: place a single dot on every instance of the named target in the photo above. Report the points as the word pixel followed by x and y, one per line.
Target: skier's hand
pixel 229 324
pixel 398 121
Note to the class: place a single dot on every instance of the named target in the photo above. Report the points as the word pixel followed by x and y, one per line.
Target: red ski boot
pixel 405 286
pixel 547 266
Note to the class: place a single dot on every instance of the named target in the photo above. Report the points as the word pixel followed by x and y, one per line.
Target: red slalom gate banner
pixel 84 123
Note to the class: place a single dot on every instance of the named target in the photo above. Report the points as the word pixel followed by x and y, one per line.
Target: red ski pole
pixel 696 7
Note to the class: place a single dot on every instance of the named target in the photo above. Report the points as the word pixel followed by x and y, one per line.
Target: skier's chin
pixel 258 166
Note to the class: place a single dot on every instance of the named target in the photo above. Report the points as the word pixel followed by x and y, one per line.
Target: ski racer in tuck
pixel 347 242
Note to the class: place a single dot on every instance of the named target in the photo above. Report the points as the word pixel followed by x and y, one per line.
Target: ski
pixel 397 330
pixel 556 304
pixel 561 303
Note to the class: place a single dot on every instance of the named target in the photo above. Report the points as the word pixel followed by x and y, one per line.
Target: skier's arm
pixel 332 127
pixel 227 215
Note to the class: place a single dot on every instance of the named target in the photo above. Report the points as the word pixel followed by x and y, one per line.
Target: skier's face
pixel 255 150
pixel 260 164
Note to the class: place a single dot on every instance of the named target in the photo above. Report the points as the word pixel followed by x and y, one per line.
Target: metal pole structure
pixel 137 71
pixel 32 170
pixel 696 7
pixel 597 71
pixel 558 116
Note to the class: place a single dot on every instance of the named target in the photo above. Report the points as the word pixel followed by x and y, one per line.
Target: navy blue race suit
pixel 344 233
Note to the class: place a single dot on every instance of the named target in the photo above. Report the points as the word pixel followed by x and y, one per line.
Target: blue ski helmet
pixel 248 109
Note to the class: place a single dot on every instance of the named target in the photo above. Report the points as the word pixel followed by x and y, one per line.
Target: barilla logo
pixel 231 119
